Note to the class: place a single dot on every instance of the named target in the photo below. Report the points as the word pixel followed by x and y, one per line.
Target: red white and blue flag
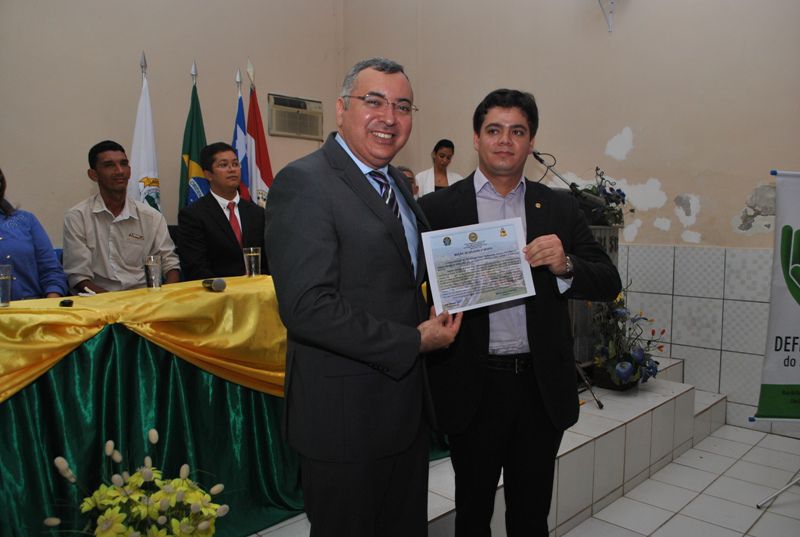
pixel 257 154
pixel 239 144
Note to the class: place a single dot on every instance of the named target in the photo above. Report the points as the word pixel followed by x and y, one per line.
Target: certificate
pixel 479 265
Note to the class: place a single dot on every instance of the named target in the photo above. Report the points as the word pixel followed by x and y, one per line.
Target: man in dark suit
pixel 343 236
pixel 213 230
pixel 505 390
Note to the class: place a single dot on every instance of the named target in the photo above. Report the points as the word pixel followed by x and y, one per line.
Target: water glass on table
pixel 5 285
pixel 252 260
pixel 152 272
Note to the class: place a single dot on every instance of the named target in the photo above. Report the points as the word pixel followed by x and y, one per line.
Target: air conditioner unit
pixel 295 117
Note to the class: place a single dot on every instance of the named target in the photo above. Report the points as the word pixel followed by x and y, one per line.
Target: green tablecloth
pixel 116 386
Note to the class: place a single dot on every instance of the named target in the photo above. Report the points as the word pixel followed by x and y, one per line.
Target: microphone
pixel 215 284
pixel 586 197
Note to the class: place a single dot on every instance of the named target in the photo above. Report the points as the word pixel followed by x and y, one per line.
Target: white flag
pixel 144 185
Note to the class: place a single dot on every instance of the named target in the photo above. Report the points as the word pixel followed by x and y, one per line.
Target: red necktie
pixel 237 230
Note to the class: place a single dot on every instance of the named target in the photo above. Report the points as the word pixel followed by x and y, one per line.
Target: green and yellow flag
pixel 193 183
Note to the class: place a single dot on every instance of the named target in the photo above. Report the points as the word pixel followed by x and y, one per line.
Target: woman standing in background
pixel 438 177
pixel 25 246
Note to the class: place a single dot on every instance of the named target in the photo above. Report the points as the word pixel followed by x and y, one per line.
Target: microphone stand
pixel 588 384
pixel 597 201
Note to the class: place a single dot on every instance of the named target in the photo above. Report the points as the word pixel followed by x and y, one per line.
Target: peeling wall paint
pixel 758 215
pixel 630 231
pixel 643 196
pixel 664 224
pixel 687 206
pixel 691 236
pixel 620 145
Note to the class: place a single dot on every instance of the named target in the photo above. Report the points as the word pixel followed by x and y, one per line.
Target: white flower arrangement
pixel 144 504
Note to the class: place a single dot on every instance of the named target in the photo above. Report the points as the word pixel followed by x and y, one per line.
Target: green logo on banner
pixel 790 260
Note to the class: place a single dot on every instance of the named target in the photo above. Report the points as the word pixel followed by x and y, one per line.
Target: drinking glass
pixel 152 272
pixel 252 260
pixel 5 285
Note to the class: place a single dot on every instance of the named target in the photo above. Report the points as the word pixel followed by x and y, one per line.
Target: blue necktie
pixel 387 193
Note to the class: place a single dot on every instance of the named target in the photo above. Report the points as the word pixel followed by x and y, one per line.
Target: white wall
pixel 70 78
pixel 708 89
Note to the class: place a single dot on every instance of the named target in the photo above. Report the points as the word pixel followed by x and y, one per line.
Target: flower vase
pixel 602 379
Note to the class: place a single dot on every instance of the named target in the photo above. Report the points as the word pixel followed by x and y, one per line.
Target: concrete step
pixel 709 413
pixel 606 454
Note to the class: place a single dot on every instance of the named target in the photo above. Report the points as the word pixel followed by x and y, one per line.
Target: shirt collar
pixel 128 211
pixel 223 202
pixel 361 166
pixel 481 182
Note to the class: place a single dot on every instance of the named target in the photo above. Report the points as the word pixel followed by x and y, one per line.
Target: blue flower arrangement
pixel 613 212
pixel 624 344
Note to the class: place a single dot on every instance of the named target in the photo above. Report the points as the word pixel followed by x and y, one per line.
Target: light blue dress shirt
pixel 409 218
pixel 508 330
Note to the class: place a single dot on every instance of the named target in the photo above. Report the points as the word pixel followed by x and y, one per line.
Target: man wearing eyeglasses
pixel 343 232
pixel 213 230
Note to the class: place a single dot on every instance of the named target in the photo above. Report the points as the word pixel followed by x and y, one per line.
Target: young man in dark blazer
pixel 209 243
pixel 505 390
pixel 343 236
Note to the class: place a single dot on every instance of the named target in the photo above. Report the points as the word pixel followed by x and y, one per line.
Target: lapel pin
pixel 537 205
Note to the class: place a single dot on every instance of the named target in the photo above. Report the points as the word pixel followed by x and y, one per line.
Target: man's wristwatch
pixel 568 273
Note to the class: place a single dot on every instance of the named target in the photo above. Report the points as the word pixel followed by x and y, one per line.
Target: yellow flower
pixel 184 528
pixel 88 504
pixel 168 494
pixel 101 499
pixel 117 495
pixel 109 524
pixel 183 484
pixel 207 508
pixel 144 507
pixel 154 531
pixel 138 478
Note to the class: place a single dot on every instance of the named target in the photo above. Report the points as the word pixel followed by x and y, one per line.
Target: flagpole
pixel 251 74
pixel 143 66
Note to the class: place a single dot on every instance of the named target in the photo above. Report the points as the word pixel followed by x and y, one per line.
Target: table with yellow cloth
pixel 204 368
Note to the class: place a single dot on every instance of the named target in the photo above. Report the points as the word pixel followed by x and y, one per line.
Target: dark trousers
pixel 383 498
pixel 510 432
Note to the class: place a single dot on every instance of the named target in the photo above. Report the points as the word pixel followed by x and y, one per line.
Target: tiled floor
pixel 711 491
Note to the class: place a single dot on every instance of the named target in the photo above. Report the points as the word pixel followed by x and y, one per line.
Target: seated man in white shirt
pixel 108 236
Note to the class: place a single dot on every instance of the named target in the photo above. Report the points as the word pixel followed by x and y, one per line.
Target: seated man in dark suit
pixel 214 229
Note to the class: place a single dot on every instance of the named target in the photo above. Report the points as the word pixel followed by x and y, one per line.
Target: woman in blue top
pixel 24 245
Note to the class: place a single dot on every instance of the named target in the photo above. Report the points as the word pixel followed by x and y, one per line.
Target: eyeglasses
pixel 227 165
pixel 379 102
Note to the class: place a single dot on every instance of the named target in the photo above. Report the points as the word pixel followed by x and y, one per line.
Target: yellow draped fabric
pixel 236 334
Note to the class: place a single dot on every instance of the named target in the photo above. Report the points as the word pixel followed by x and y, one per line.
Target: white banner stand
pixel 780 378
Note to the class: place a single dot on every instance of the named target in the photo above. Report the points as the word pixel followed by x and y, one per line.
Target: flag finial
pixel 238 79
pixel 251 73
pixel 194 72
pixel 143 64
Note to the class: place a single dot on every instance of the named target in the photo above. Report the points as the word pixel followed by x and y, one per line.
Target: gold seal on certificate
pixel 479 265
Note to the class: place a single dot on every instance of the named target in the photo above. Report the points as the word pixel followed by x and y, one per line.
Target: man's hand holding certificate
pixel 479 265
